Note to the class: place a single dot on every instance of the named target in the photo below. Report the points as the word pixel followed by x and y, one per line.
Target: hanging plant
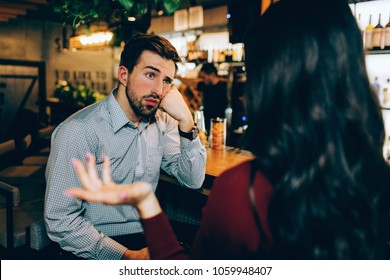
pixel 127 4
pixel 114 12
pixel 170 6
pixel 140 7
pixel 76 13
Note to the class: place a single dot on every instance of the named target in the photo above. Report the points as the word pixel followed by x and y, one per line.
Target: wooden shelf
pixel 377 52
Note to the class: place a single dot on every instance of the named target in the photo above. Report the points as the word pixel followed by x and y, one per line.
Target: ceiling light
pixel 97 39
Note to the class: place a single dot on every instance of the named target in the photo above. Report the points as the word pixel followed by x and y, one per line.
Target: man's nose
pixel 158 88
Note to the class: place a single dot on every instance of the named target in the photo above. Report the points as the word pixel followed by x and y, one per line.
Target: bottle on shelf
pixel 377 35
pixel 376 86
pixel 220 55
pixel 386 149
pixel 229 54
pixel 359 23
pixel 387 35
pixel 238 52
pixel 368 35
pixel 385 94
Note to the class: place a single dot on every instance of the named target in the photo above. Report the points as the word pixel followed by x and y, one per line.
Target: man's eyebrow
pixel 153 68
pixel 159 71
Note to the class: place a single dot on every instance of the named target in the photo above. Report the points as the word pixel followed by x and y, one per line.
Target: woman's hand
pixel 138 194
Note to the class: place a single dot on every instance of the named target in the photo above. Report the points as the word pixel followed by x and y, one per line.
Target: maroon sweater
pixel 227 229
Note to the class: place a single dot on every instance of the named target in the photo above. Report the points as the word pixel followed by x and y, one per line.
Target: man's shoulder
pixel 82 119
pixel 86 114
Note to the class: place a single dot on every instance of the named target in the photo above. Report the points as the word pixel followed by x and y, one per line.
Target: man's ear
pixel 123 75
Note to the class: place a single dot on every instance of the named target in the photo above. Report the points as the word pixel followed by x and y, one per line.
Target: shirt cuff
pixel 187 145
pixel 111 250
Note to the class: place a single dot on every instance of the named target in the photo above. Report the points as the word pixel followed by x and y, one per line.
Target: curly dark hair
pixel 317 132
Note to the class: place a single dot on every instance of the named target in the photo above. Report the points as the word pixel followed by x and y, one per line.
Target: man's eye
pixel 150 75
pixel 168 82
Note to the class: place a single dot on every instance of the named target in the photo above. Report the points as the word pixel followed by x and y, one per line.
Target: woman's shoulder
pixel 237 171
pixel 238 176
pixel 235 176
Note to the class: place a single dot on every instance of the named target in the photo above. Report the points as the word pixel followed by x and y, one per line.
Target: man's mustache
pixel 153 95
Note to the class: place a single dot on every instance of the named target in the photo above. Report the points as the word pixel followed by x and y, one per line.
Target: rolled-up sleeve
pixel 184 159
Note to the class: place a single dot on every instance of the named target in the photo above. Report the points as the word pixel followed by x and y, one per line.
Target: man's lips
pixel 152 101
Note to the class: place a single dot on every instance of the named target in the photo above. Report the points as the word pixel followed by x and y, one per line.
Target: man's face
pixel 148 83
pixel 205 78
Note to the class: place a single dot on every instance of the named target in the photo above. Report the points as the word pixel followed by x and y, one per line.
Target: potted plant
pixel 68 99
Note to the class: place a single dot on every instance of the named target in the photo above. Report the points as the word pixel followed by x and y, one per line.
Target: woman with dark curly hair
pixel 317 132
pixel 319 186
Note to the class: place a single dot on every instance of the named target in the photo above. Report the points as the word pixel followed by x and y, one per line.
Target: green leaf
pixel 170 6
pixel 127 4
pixel 141 7
pixel 87 31
pixel 57 9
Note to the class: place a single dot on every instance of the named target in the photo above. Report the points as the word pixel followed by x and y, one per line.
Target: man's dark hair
pixel 209 68
pixel 140 42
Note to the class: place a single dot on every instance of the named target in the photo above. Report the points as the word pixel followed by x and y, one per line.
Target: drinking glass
pixel 199 119
pixel 218 133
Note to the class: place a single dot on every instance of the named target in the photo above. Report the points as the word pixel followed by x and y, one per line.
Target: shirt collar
pixel 118 117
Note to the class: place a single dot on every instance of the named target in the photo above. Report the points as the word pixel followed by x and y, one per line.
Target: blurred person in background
pixel 214 92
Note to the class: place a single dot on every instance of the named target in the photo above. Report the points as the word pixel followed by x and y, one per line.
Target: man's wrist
pixel 191 134
pixel 186 126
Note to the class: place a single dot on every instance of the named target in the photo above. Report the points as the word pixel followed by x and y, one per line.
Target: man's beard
pixel 140 110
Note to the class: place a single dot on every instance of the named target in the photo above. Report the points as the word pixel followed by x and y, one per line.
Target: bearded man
pixel 143 126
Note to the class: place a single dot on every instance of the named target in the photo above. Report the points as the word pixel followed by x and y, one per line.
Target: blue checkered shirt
pixel 136 153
